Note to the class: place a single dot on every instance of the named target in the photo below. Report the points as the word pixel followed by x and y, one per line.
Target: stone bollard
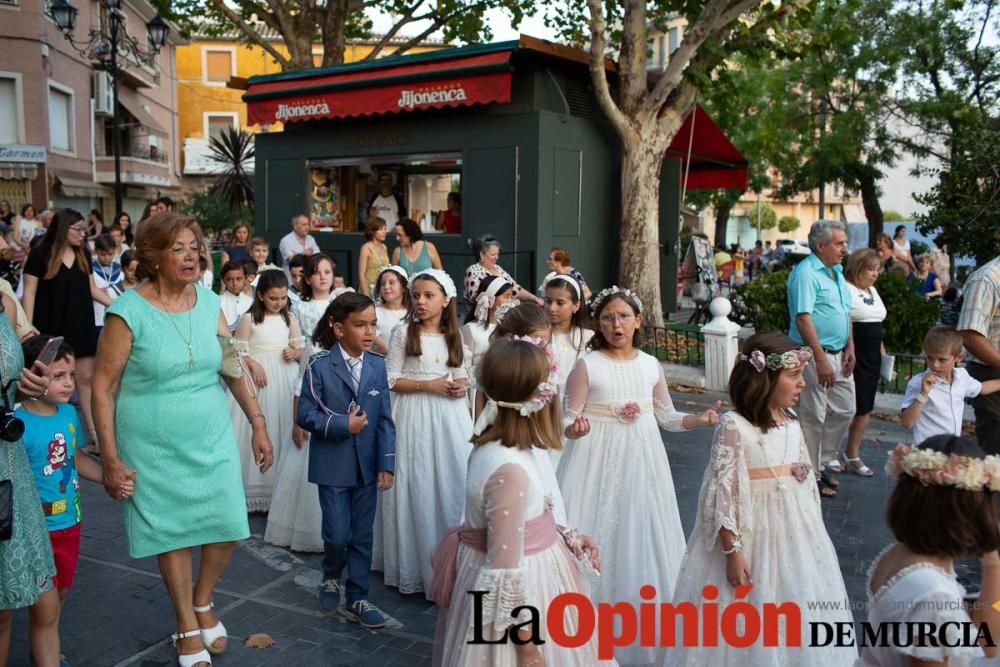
pixel 721 344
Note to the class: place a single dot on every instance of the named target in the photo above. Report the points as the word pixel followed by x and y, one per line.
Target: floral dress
pixel 26 566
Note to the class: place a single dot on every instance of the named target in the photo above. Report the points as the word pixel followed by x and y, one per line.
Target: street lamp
pixel 105 44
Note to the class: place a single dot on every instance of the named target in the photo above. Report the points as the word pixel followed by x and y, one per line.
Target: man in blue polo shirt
pixel 819 306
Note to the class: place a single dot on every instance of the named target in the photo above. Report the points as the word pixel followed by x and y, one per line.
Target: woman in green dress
pixel 163 421
pixel 26 566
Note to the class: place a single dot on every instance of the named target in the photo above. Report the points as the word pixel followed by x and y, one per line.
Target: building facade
pixel 207 106
pixel 56 108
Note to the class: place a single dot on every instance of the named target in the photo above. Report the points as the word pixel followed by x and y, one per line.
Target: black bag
pixel 6 509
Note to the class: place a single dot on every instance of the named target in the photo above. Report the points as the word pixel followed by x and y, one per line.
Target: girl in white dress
pixel 759 520
pixel 428 377
pixel 570 331
pixel 392 300
pixel 510 545
pixel 494 291
pixel 295 519
pixel 942 508
pixel 271 338
pixel 615 476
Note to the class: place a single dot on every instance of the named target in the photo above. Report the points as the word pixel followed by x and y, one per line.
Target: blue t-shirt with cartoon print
pixel 51 442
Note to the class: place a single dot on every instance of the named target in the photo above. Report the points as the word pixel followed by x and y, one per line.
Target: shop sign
pixel 409 99
pixel 22 153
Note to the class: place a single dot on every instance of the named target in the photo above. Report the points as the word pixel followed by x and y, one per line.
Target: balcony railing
pixel 151 153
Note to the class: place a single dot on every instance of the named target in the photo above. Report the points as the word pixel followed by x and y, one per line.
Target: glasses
pixel 609 318
pixel 79 229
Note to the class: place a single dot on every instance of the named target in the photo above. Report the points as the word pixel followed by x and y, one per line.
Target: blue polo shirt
pixel 811 289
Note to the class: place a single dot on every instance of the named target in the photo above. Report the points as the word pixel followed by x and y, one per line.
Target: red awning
pixel 345 91
pixel 715 163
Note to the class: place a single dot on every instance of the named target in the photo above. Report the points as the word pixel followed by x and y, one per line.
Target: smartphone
pixel 48 353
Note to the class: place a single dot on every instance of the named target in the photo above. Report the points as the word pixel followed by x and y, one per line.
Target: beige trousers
pixel 826 412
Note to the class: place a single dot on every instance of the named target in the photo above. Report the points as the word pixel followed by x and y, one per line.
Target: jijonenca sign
pixel 294 111
pixel 409 99
pixel 22 153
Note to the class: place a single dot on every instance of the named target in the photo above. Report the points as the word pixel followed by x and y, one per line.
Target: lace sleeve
pixel 663 406
pixel 396 355
pixel 725 492
pixel 504 575
pixel 576 393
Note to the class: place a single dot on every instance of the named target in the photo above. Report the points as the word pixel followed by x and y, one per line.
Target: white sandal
pixel 190 659
pixel 834 465
pixel 862 470
pixel 211 635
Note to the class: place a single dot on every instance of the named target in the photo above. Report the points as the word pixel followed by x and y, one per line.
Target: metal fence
pixel 907 365
pixel 675 344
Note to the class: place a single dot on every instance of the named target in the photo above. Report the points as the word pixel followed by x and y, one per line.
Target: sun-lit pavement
pixel 118 613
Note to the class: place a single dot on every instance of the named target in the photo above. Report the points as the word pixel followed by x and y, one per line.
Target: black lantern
pixel 158 31
pixel 64 14
pixel 114 4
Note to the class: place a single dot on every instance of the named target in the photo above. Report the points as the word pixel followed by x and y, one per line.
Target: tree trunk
pixel 722 210
pixel 639 269
pixel 873 210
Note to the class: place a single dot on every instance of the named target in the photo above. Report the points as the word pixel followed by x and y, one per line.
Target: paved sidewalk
pixel 118 613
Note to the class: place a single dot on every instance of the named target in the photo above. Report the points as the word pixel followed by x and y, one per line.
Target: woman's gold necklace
pixel 189 341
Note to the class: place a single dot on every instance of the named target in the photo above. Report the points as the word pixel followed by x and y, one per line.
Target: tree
pixel 788 224
pixel 763 214
pixel 646 113
pixel 301 23
pixel 233 150
pixel 890 215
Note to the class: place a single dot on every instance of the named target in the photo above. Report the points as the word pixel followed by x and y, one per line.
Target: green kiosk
pixel 514 127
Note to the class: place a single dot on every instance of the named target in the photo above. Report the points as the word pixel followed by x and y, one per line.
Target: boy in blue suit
pixel 352 454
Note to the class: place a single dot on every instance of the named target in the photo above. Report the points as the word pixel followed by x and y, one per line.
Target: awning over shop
pixel 72 187
pixel 478 75
pixel 143 116
pixel 714 162
pixel 15 171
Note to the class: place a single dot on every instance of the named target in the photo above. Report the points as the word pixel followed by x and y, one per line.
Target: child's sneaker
pixel 366 614
pixel 329 596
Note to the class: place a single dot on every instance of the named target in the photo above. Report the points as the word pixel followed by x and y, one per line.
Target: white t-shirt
pixel 233 306
pixel 387 209
pixel 866 306
pixel 108 279
pixel 902 247
pixel 942 413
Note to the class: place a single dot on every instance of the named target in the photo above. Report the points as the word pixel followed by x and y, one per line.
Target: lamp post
pixel 106 44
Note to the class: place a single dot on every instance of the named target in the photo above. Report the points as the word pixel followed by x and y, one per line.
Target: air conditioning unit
pixel 104 100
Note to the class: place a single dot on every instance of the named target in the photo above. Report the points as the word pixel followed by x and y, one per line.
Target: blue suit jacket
pixel 337 458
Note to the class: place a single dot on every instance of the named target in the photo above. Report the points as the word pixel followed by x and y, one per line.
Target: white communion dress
pixel 432 452
pixel 616 480
pixel 477 338
pixel 755 486
pixel 568 347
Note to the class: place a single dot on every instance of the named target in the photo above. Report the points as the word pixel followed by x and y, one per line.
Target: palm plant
pixel 234 151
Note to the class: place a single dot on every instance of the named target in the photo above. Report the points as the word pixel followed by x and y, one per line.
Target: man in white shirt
pixel 387 204
pixel 297 242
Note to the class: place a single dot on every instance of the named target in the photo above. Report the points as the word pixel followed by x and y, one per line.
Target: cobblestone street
pixel 118 613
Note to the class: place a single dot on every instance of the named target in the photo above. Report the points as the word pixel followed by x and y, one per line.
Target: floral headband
pixel 933 468
pixel 503 309
pixel 547 392
pixel 486 300
pixel 614 290
pixel 777 360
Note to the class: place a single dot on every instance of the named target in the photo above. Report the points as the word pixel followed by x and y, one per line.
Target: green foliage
pixel 890 215
pixel 767 215
pixel 766 301
pixel 788 223
pixel 214 214
pixel 233 150
pixel 918 248
pixel 909 316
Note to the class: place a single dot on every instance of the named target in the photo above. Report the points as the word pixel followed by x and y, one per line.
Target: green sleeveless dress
pixel 26 566
pixel 173 428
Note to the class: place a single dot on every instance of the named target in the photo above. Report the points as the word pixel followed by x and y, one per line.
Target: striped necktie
pixel 355 366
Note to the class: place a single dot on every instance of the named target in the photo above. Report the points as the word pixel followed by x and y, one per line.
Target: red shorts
pixel 65 551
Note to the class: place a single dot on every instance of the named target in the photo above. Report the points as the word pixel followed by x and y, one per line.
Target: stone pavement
pixel 118 613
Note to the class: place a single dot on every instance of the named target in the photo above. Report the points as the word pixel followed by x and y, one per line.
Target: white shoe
pixel 190 659
pixel 211 635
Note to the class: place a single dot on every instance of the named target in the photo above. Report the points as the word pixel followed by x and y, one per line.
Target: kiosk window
pixel 344 193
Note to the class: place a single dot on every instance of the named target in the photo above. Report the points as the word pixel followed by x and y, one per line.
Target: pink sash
pixel 540 533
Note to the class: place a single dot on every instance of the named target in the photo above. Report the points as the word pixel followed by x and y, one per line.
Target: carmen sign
pixel 22 153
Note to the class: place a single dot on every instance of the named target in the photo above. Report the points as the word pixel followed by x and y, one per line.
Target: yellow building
pixel 206 106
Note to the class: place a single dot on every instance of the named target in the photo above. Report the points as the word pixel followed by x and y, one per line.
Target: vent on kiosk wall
pixel 104 101
pixel 581 99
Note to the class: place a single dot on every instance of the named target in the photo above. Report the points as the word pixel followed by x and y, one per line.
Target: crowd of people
pixel 515 449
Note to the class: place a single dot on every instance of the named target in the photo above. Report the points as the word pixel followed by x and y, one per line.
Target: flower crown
pixel 933 468
pixel 607 293
pixel 777 360
pixel 546 392
pixel 503 309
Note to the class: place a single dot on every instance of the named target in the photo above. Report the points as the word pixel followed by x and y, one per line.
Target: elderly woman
pixel 487 249
pixel 414 253
pixel 26 565
pixel 237 249
pixel 559 262
pixel 163 422
pixel 867 314
pixel 929 285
